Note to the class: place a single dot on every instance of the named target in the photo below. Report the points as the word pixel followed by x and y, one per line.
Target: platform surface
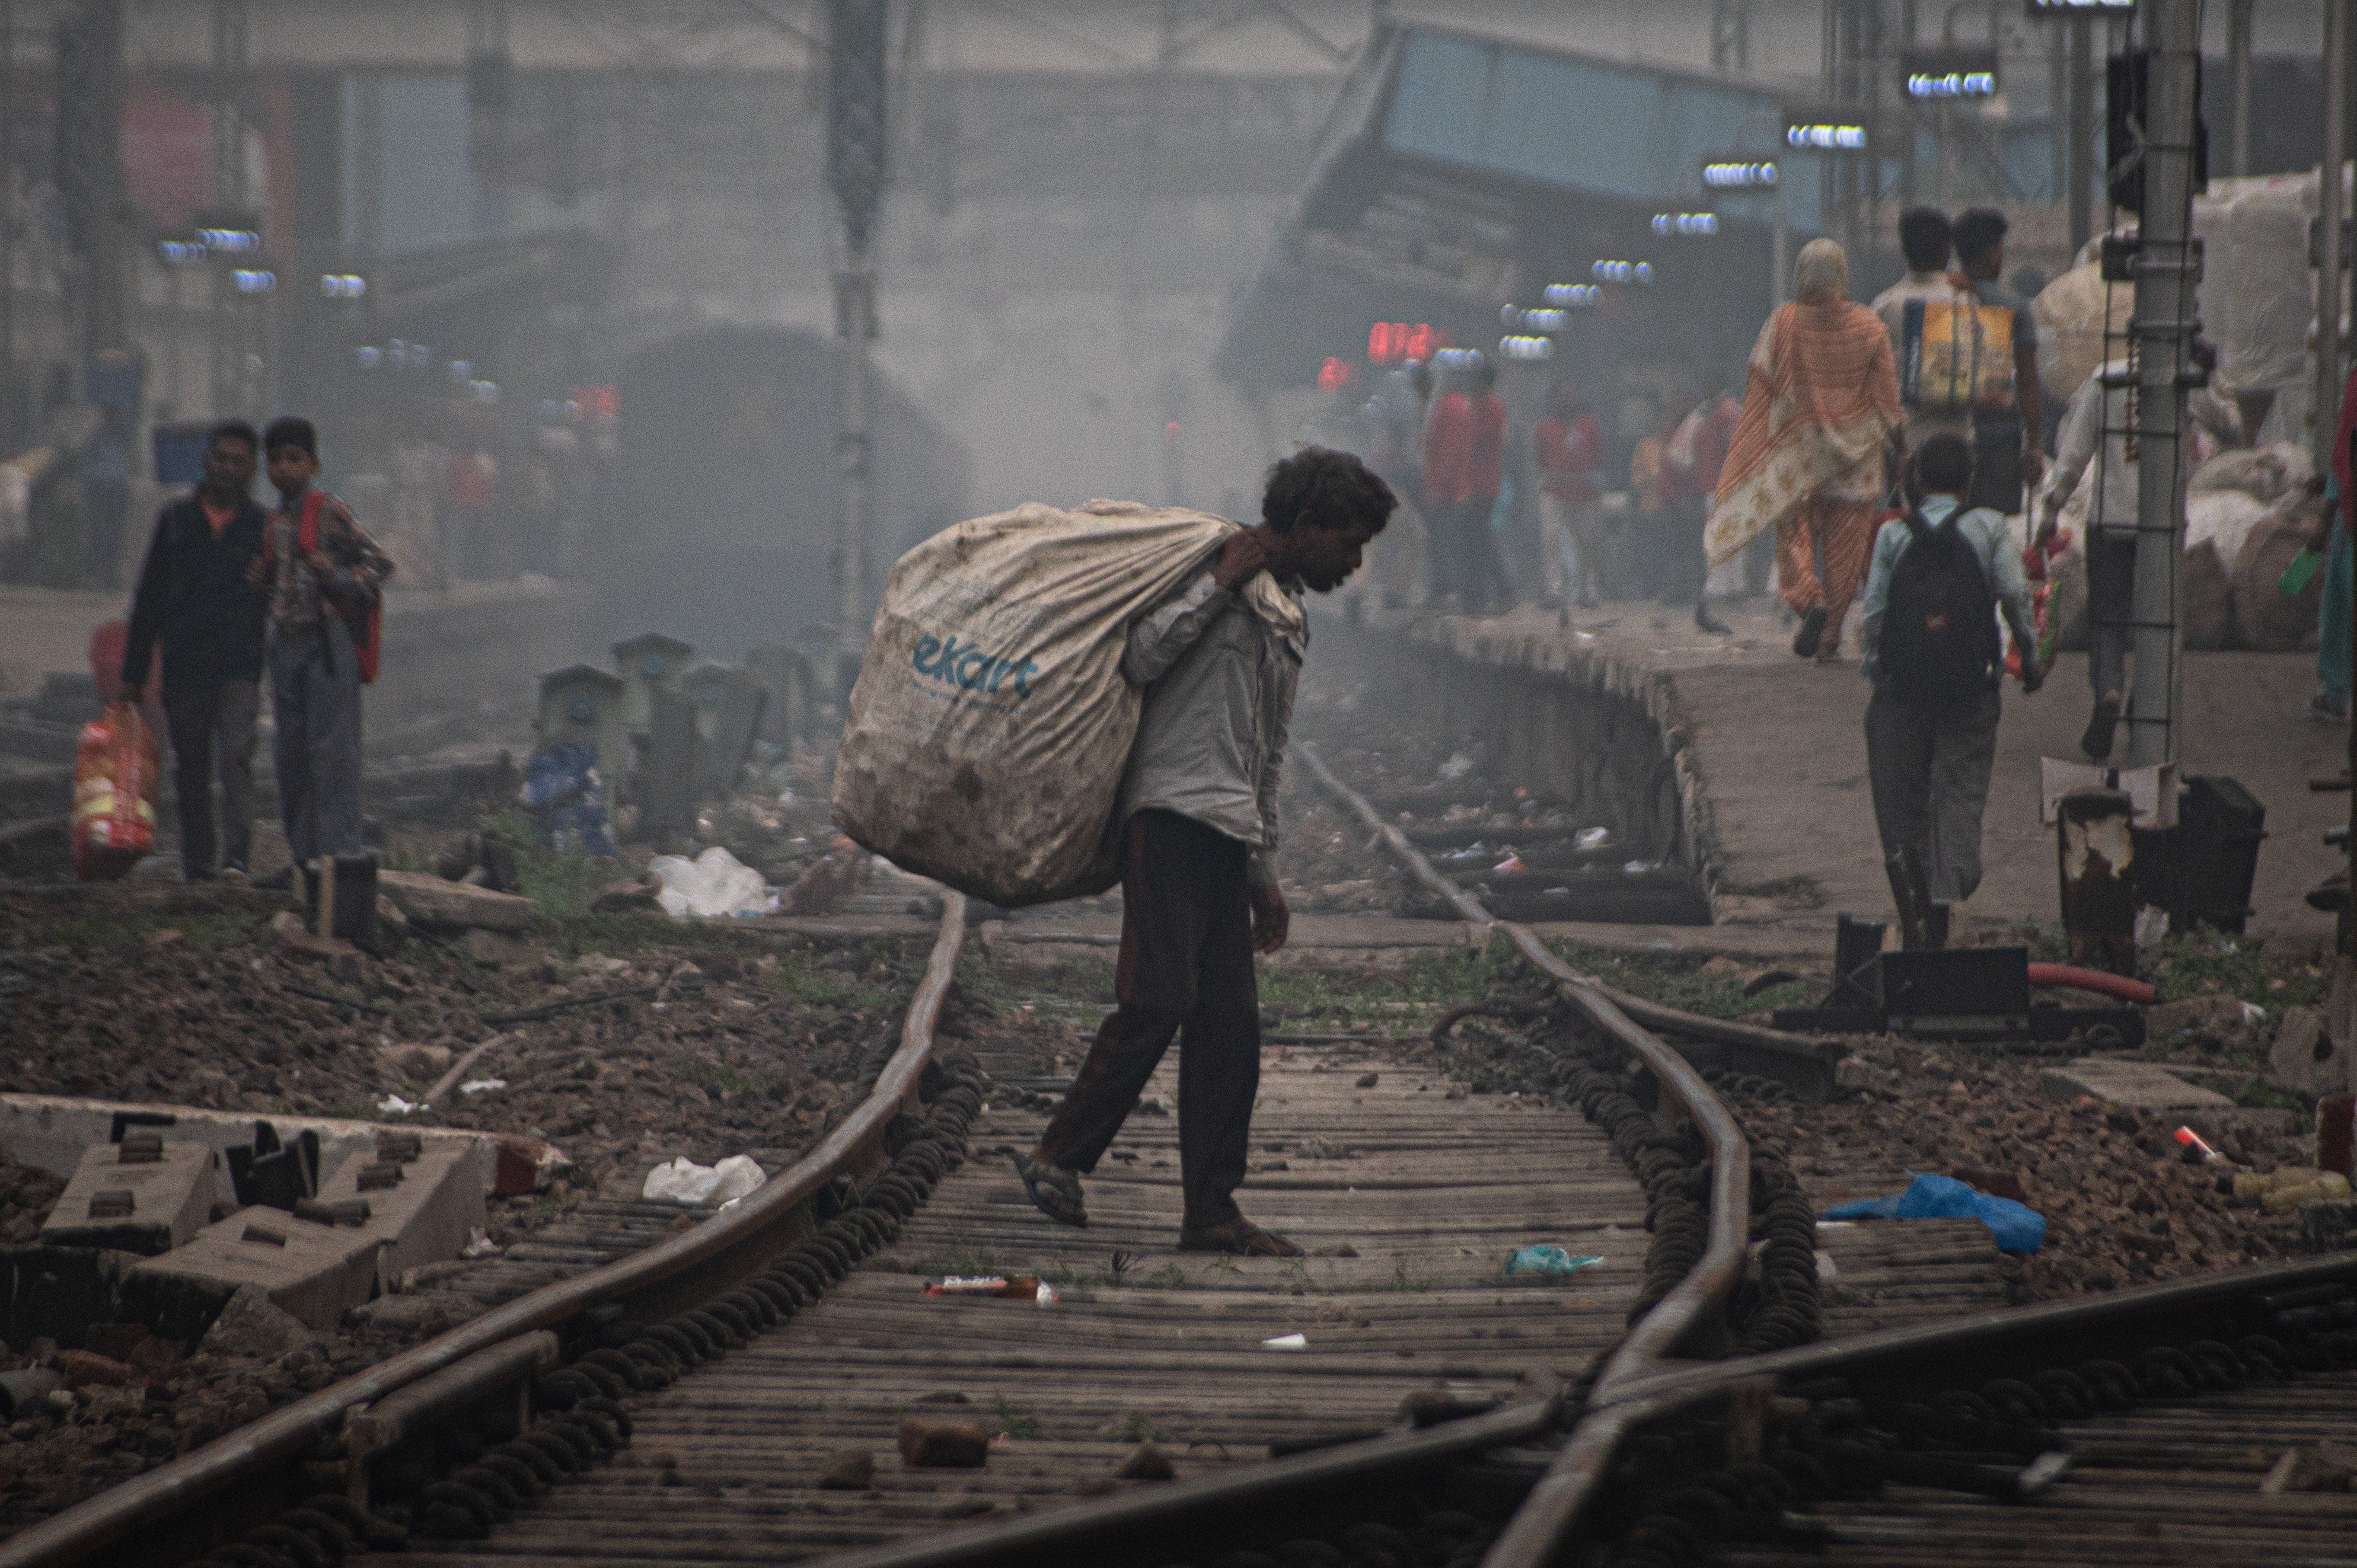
pixel 1781 750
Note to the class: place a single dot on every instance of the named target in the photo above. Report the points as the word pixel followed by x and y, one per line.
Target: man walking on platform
pixel 1220 661
pixel 1940 575
pixel 195 603
pixel 1569 446
pixel 325 578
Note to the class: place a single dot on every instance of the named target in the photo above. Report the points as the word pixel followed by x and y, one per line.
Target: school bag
pixel 1939 623
pixel 991 722
pixel 1942 352
pixel 367 626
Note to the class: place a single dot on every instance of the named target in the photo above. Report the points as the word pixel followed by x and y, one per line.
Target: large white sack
pixel 991 721
pixel 2223 519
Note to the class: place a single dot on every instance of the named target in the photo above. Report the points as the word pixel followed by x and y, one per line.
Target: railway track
pixel 735 1394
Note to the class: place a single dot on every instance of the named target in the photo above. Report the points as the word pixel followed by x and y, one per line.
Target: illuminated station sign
pixel 1686 225
pixel 1932 76
pixel 1739 174
pixel 1825 131
pixel 2081 7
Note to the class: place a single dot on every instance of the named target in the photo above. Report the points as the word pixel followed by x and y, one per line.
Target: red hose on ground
pixel 2139 991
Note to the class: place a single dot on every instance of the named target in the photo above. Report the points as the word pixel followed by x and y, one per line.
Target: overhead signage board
pixel 1824 130
pixel 1731 174
pixel 1933 76
pixel 1686 225
pixel 2107 8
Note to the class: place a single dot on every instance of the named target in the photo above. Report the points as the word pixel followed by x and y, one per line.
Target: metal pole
pixel 854 171
pixel 2238 68
pixel 855 294
pixel 2163 330
pixel 2331 214
pixel 11 411
pixel 2081 132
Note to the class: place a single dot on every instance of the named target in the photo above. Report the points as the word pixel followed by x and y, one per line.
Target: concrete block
pixel 50 1130
pixel 142 1205
pixel 2139 1086
pixel 311 1272
pixel 433 903
pixel 422 1209
pixel 2304 1059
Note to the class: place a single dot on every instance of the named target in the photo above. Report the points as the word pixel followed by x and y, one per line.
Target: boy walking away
pixel 196 603
pixel 2008 408
pixel 1220 661
pixel 325 578
pixel 1940 574
pixel 1934 331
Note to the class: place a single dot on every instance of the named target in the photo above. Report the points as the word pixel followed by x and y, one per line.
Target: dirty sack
pixel 714 883
pixel 2017 1227
pixel 114 822
pixel 991 721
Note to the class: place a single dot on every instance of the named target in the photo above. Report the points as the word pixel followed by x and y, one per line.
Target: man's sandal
pixel 1055 1192
pixel 1238 1237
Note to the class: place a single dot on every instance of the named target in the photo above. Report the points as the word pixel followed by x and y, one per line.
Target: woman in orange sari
pixel 1820 403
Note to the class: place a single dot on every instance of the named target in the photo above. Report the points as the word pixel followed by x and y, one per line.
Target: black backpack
pixel 1938 625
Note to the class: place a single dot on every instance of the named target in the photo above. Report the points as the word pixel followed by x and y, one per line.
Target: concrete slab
pixel 144 1207
pixel 432 903
pixel 51 1130
pixel 2138 1086
pixel 311 1270
pixel 427 1214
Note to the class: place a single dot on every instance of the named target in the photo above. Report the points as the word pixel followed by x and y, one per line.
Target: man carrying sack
pixel 1199 833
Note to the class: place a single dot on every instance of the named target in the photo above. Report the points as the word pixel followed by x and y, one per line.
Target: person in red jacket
pixel 1568 446
pixel 1464 464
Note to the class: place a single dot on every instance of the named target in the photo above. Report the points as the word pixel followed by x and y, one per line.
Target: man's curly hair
pixel 1325 490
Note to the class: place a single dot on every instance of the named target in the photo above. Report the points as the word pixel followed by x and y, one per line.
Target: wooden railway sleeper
pixel 584 1418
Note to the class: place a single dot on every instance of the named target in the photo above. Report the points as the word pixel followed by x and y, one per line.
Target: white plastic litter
pixel 479 1245
pixel 2254 1016
pixel 714 883
pixel 1287 1342
pixel 1458 765
pixel 684 1181
pixel 395 1105
pixel 477 1085
pixel 1591 838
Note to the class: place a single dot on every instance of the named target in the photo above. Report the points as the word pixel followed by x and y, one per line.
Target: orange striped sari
pixel 1821 397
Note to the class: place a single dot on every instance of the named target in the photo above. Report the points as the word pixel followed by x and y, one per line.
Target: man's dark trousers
pixel 213 719
pixel 1186 964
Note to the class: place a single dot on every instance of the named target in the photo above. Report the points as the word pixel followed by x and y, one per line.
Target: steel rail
pixel 1543 1528
pixel 1687 1311
pixel 715 1254
pixel 1650 1014
pixel 1085 1532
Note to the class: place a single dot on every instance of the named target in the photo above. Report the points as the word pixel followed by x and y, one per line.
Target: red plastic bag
pixel 114 794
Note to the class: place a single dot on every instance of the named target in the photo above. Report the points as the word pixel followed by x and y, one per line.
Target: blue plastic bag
pixel 2019 1227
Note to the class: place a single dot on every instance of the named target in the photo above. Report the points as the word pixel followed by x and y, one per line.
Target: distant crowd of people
pixel 1600 512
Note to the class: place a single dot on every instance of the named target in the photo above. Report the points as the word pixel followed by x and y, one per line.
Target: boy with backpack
pixel 325 579
pixel 1940 575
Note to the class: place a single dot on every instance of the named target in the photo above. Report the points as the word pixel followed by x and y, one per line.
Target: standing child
pixel 325 578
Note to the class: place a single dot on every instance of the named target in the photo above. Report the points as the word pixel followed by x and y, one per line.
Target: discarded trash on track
pixel 2017 1227
pixel 714 883
pixel 1010 1287
pixel 684 1181
pixel 1548 1261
